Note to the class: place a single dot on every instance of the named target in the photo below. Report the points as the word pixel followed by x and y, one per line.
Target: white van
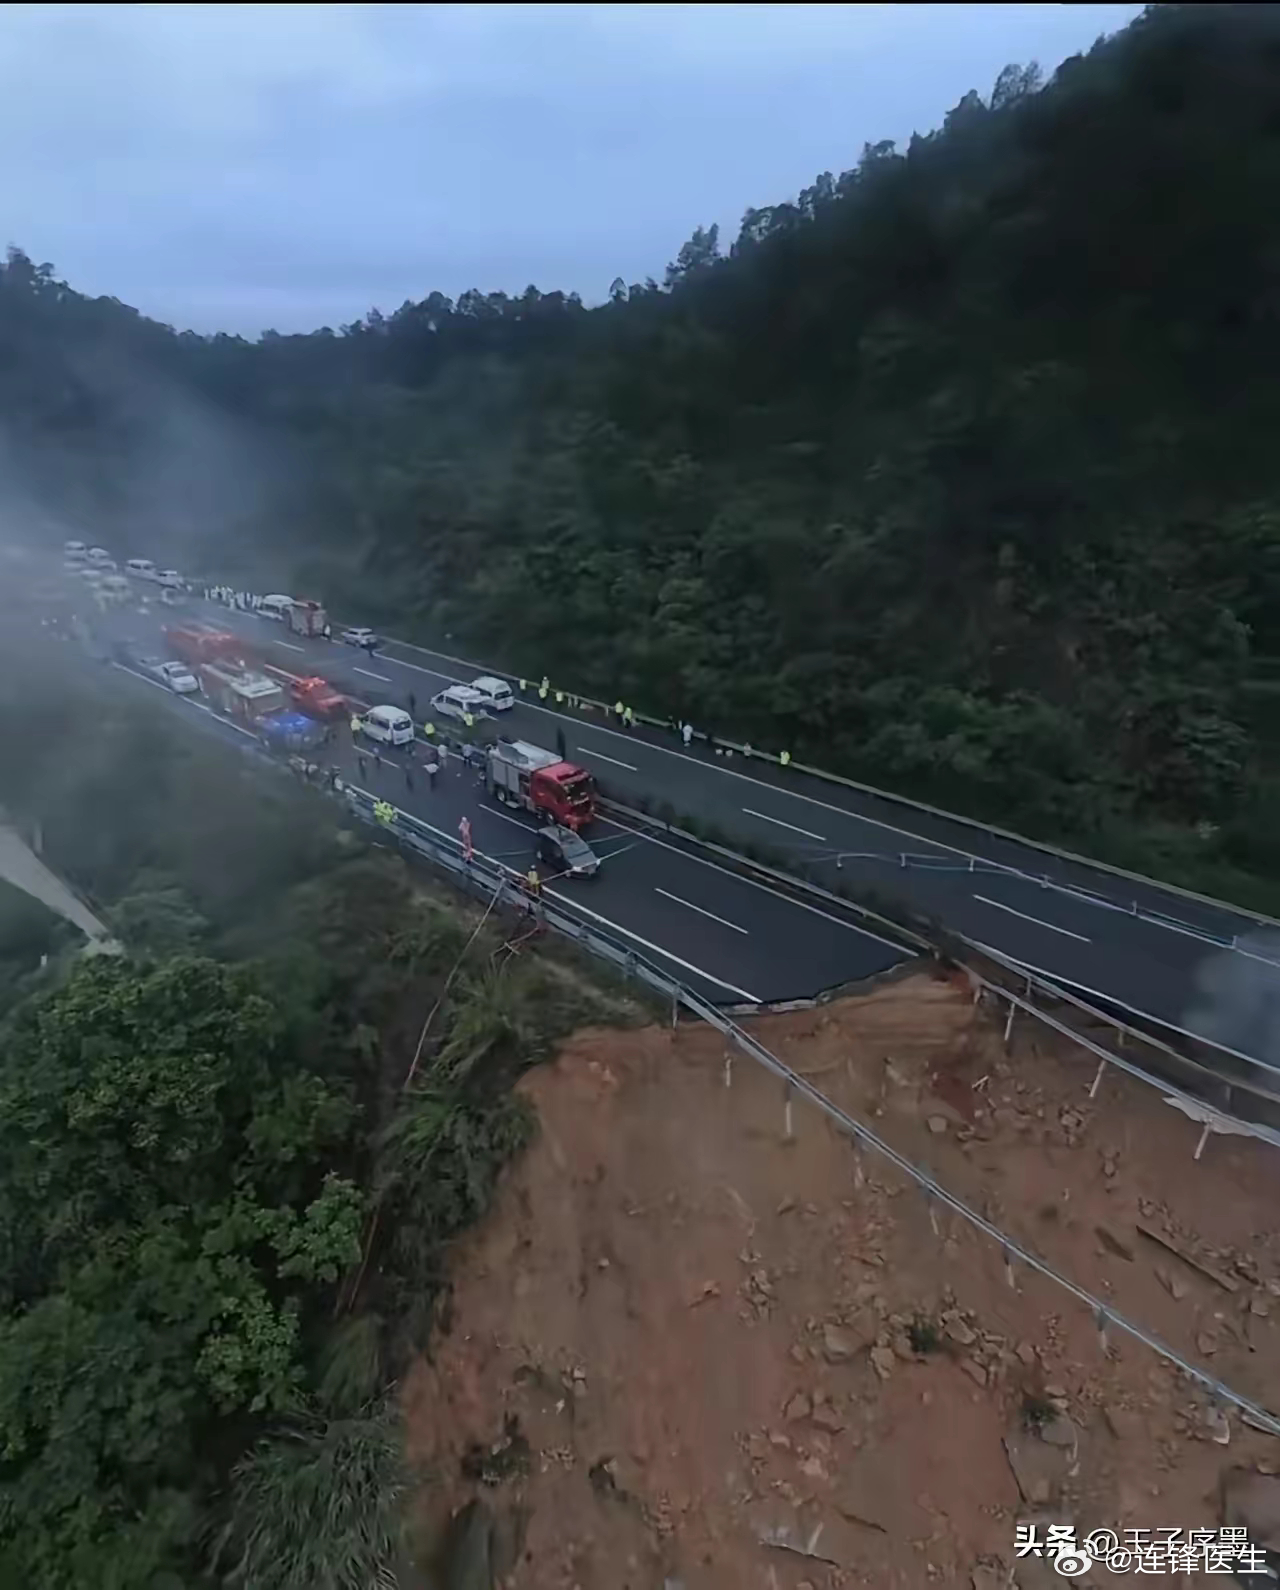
pixel 459 700
pixel 100 557
pixel 169 578
pixel 276 607
pixel 140 568
pixel 388 724
pixel 74 552
pixel 115 587
pixel 496 692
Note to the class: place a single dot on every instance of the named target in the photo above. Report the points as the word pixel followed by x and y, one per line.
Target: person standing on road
pixel 408 777
pixel 362 765
pixel 562 750
pixel 432 769
pixel 355 726
pixel 686 734
pixel 413 705
pixel 377 759
pixel 444 756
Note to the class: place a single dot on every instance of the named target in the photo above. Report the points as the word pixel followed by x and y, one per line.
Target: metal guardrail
pixel 1233 1085
pixel 492 879
pixel 565 702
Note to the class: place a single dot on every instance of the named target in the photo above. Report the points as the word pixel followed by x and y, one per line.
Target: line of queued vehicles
pixel 295 714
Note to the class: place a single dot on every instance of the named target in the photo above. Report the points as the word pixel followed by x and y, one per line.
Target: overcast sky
pixel 235 167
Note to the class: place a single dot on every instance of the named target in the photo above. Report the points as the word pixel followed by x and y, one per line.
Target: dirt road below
pixel 701 1341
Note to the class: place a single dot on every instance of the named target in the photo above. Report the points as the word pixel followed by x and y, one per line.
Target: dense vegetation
pixel 956 473
pixel 199 1311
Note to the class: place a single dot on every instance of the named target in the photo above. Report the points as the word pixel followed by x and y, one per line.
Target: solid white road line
pixel 601 757
pixel 1052 926
pixel 289 646
pixel 369 674
pixel 656 948
pixel 754 883
pixel 200 706
pixel 238 727
pixel 808 834
pixel 1142 1015
pixel 133 674
pixel 508 818
pixel 690 906
pixel 575 905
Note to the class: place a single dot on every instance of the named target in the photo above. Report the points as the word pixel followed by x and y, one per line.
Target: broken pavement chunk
pixel 839 1344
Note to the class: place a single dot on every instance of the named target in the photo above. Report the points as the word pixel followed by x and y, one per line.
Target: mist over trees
pixel 956 472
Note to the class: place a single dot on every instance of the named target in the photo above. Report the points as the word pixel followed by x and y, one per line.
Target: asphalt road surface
pixel 1129 942
pixel 730 939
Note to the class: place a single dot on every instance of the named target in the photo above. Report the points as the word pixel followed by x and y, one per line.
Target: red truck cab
pixel 202 643
pixel 524 775
pixel 314 696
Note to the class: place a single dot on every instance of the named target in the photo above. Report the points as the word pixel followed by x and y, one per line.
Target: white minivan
pixel 74 552
pixel 459 702
pixel 496 692
pixel 391 725
pixel 276 607
pixel 100 557
pixel 140 568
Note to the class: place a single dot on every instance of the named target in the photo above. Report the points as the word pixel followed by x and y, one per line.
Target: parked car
pixel 390 725
pixel 169 578
pixel 100 556
pixel 176 675
pixel 497 693
pixel 364 638
pixel 566 853
pixel 74 553
pixel 458 701
pixel 140 568
pixel 276 607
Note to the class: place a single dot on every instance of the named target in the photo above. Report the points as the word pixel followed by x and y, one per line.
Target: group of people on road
pixel 242 601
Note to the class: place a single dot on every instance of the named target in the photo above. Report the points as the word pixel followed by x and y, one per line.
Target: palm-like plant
pixel 316 1508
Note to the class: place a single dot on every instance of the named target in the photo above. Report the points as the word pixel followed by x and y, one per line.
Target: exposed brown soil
pixel 720 1327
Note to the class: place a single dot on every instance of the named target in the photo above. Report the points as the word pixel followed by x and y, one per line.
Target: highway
pixel 1129 942
pixel 732 940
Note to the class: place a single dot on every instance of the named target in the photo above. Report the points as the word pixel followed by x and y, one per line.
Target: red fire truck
pixel 202 643
pixel 239 693
pixel 524 775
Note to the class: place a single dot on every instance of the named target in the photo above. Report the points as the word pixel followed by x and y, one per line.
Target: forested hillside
pixel 958 472
pixel 224 1208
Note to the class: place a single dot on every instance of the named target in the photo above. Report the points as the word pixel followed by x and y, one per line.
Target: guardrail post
pixel 1204 1138
pixel 788 1135
pixel 1097 1081
pixel 1008 1026
pixel 728 1068
pixel 675 1008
